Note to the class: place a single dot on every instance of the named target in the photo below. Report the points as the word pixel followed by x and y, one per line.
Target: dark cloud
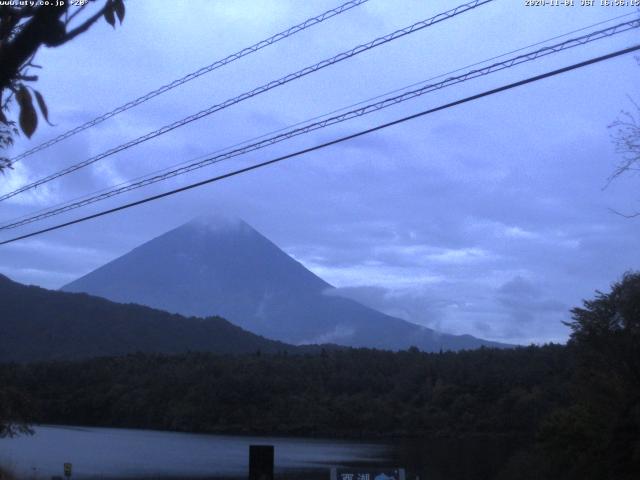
pixel 525 302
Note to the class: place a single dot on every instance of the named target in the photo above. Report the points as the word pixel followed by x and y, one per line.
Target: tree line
pixel 570 411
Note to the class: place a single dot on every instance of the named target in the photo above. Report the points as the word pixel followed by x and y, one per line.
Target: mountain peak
pixel 219 265
pixel 219 223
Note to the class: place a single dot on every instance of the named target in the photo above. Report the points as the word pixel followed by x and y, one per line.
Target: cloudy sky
pixel 490 218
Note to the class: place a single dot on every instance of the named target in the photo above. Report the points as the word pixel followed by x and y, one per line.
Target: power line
pixel 387 102
pixel 257 91
pixel 282 129
pixel 478 96
pixel 193 75
pixel 330 121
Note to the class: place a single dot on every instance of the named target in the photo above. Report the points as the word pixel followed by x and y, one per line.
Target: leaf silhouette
pixel 119 8
pixel 28 117
pixel 43 106
pixel 109 16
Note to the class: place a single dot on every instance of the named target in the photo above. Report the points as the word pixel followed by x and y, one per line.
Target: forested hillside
pixel 566 412
pixel 38 324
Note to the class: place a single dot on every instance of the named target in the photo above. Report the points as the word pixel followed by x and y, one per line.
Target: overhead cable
pixel 256 91
pixel 370 108
pixel 329 143
pixel 193 75
pixel 317 117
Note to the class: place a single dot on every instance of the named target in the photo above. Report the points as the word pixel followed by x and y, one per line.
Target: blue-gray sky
pixel 489 218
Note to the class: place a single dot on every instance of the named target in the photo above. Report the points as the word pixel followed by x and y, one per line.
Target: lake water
pixel 110 453
pixel 120 453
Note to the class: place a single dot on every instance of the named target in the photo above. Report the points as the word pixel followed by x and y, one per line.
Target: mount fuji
pixel 221 266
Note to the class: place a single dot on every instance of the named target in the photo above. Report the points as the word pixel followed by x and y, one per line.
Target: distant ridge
pixel 39 325
pixel 222 266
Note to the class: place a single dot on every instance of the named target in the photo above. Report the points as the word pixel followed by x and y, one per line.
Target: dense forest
pixel 39 325
pixel 567 411
pixel 343 393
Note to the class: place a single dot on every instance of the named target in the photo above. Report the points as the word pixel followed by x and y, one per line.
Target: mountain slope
pixel 225 267
pixel 38 324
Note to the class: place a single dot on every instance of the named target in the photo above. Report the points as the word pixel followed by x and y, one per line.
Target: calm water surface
pixel 110 453
pixel 121 453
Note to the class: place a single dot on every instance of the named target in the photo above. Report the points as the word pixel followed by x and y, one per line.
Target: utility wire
pixel 486 93
pixel 193 75
pixel 282 129
pixel 373 107
pixel 257 91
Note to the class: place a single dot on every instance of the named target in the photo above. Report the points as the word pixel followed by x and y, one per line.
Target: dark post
pixel 260 462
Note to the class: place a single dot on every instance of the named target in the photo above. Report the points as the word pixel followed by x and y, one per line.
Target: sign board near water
pixel 261 462
pixel 366 474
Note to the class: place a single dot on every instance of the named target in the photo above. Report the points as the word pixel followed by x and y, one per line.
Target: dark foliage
pixel 344 393
pixel 598 435
pixel 24 28
pixel 475 412
pixel 559 412
pixel 15 410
